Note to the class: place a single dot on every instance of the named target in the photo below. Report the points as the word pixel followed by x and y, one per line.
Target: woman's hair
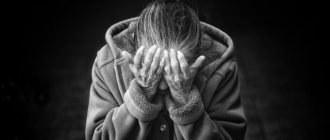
pixel 169 24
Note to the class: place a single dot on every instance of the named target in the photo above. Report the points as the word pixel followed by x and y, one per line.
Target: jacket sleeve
pixel 219 117
pixel 110 118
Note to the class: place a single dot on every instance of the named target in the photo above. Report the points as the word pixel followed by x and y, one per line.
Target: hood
pixel 216 45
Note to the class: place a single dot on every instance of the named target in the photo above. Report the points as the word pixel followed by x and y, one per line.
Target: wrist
pixel 180 97
pixel 184 113
pixel 148 92
pixel 139 106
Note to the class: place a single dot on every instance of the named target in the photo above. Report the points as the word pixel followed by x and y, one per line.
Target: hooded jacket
pixel 119 110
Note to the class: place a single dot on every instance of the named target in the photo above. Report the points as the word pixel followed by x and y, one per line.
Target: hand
pixel 149 72
pixel 178 75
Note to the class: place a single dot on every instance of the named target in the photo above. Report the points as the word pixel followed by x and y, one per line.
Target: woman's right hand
pixel 149 72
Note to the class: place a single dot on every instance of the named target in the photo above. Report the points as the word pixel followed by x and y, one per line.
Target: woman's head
pixel 169 25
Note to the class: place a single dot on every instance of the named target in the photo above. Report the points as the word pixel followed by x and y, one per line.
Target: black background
pixel 49 48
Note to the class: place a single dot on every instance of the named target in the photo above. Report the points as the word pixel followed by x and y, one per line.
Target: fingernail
pixel 123 52
pixel 165 52
pixel 172 50
pixel 202 57
pixel 141 47
pixel 180 53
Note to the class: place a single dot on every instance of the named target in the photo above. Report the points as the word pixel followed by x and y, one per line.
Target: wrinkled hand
pixel 178 75
pixel 149 72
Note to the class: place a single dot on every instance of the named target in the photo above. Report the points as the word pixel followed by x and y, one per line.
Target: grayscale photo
pixel 164 70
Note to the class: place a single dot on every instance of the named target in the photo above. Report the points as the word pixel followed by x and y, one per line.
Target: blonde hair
pixel 169 25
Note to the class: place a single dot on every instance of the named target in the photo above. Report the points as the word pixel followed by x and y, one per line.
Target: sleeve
pixel 107 119
pixel 223 119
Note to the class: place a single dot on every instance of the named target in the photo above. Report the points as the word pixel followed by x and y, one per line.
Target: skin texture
pixel 149 72
pixel 178 75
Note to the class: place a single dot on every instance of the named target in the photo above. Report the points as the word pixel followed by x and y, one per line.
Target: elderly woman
pixel 165 75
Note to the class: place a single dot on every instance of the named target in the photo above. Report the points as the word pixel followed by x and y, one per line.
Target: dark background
pixel 49 48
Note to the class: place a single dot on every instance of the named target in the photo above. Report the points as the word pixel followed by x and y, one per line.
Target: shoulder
pixel 104 56
pixel 229 66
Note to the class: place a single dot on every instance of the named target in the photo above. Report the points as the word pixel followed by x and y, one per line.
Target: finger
pixel 174 62
pixel 199 61
pixel 138 57
pixel 155 61
pixel 160 69
pixel 149 57
pixel 147 62
pixel 161 66
pixel 168 79
pixel 167 67
pixel 183 64
pixel 134 71
pixel 154 65
pixel 127 57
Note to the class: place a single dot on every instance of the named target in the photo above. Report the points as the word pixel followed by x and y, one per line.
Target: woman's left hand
pixel 178 75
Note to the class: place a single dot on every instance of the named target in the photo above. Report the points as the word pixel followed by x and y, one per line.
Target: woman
pixel 165 75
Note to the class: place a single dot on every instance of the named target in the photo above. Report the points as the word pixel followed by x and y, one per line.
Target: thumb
pixel 127 56
pixel 198 63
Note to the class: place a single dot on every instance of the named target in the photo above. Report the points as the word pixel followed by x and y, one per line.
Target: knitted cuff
pixel 186 113
pixel 138 105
